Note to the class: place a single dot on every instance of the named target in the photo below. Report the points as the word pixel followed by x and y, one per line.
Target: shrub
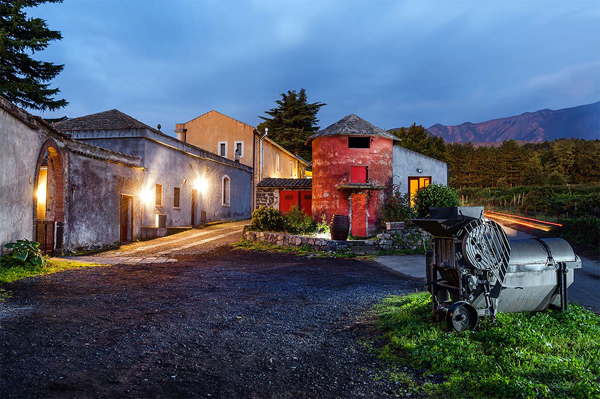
pixel 298 222
pixel 23 253
pixel 396 207
pixel 323 227
pixel 434 195
pixel 582 231
pixel 269 219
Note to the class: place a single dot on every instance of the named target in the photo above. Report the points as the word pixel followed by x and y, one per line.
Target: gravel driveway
pixel 221 324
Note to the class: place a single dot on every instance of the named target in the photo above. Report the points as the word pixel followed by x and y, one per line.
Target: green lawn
pixel 52 265
pixel 542 355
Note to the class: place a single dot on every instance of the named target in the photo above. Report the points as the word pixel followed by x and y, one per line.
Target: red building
pixel 352 167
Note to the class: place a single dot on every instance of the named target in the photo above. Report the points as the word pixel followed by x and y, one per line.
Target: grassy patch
pixel 525 355
pixel 267 247
pixel 52 265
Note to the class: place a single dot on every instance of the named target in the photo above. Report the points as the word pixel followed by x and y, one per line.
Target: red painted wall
pixel 332 162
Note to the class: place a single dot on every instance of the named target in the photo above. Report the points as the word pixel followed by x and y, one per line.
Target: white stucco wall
pixel 406 163
pixel 20 146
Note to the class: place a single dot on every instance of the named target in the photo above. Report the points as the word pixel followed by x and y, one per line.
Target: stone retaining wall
pixel 406 239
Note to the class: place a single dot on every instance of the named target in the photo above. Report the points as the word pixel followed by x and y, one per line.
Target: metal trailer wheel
pixel 462 316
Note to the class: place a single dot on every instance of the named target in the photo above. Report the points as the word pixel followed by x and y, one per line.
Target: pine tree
pixel 292 122
pixel 23 80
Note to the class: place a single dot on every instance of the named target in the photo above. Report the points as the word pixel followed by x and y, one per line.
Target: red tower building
pixel 352 167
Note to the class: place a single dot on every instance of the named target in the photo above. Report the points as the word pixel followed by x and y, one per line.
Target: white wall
pixel 20 149
pixel 406 163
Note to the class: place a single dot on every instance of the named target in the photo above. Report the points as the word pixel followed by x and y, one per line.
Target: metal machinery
pixel 473 269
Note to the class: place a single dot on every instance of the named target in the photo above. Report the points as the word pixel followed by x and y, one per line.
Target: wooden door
pixel 306 202
pixel 288 199
pixel 194 196
pixel 126 218
pixel 359 215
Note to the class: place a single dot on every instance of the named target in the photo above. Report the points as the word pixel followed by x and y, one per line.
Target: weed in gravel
pixel 525 355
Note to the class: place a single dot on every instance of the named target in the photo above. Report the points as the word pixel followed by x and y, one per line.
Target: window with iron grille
pixel 159 193
pixel 176 197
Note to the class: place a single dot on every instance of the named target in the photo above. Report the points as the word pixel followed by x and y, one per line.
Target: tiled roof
pixel 107 120
pixel 352 125
pixel 285 183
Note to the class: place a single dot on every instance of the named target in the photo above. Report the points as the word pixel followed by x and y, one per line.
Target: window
pixel 277 163
pixel 291 169
pixel 359 142
pixel 415 184
pixel 238 148
pixel 226 190
pixel 359 174
pixel 223 148
pixel 158 197
pixel 176 197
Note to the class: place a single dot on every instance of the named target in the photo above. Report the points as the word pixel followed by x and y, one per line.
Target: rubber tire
pixel 462 316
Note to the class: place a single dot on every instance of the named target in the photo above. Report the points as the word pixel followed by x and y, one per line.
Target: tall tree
pixel 292 122
pixel 416 138
pixel 23 80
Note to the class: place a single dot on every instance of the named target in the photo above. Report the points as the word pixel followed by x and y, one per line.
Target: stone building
pixel 60 192
pixel 105 179
pixel 235 140
pixel 355 167
pixel 183 185
pixel 352 167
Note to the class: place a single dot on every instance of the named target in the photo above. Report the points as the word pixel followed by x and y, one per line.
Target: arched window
pixel 225 190
pixel 291 169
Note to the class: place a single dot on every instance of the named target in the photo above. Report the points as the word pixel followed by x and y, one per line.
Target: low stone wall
pixel 405 239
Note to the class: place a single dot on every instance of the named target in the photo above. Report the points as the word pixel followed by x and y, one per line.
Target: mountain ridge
pixel 581 122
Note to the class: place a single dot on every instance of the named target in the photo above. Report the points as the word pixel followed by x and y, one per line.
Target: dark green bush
pixel 298 222
pixel 267 219
pixel 434 195
pixel 396 207
pixel 23 253
pixel 583 231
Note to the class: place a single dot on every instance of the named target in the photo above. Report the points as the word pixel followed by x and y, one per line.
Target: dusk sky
pixel 392 63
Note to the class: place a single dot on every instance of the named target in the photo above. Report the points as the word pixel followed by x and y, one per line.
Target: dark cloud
pixel 393 63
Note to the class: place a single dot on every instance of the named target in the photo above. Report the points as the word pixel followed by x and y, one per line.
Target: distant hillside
pixel 581 122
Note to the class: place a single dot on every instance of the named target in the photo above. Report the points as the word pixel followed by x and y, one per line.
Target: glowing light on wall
pixel 201 185
pixel 146 195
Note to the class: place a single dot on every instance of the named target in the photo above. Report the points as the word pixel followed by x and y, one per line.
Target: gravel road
pixel 220 324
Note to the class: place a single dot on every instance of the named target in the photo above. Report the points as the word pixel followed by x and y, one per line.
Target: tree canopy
pixel 24 80
pixel 416 138
pixel 292 122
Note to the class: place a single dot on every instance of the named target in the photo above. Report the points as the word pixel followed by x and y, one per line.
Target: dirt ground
pixel 220 324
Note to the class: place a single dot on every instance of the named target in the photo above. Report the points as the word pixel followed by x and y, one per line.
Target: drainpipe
pixel 261 153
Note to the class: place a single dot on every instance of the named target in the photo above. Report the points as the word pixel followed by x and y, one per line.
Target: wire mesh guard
pixel 486 247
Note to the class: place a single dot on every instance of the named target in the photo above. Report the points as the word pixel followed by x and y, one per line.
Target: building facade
pixel 65 194
pixel 352 168
pixel 414 171
pixel 183 185
pixel 238 141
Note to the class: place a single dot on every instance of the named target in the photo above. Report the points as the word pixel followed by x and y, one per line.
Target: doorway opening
pixel 126 218
pixel 49 200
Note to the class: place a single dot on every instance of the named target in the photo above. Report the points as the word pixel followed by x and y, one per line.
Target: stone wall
pixel 409 239
pixel 268 197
